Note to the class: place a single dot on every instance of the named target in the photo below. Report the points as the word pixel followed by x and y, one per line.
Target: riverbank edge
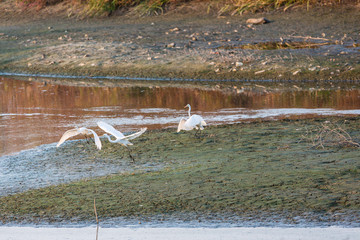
pixel 335 214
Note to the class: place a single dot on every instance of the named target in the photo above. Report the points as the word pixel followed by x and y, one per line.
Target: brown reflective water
pixel 34 113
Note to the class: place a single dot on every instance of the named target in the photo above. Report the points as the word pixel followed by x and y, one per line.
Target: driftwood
pixel 257 21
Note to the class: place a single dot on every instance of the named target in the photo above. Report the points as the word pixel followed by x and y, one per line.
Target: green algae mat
pixel 285 167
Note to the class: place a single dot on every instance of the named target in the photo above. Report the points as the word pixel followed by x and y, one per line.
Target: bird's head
pixel 188 105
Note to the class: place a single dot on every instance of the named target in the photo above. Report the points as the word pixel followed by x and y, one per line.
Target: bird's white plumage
pixel 122 141
pixel 76 131
pixel 120 138
pixel 110 129
pixel 194 121
pixel 135 135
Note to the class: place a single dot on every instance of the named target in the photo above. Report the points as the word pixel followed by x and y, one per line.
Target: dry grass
pixel 155 7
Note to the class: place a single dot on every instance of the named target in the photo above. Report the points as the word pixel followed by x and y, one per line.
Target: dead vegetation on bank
pixel 156 7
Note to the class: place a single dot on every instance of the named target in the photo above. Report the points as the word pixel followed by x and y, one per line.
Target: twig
pixel 97 220
pixel 326 135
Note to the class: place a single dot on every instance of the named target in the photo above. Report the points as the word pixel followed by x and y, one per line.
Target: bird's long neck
pixel 189 111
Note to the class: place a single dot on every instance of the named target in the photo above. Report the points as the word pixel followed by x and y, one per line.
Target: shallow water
pixel 35 113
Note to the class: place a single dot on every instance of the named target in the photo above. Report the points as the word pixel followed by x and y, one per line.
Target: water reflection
pixel 34 113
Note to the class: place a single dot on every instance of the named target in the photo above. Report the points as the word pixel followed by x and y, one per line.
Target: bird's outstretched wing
pixel 96 138
pixel 68 134
pixel 110 129
pixel 135 135
pixel 181 124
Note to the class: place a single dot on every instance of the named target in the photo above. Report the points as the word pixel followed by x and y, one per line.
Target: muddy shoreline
pixel 264 171
pixel 317 45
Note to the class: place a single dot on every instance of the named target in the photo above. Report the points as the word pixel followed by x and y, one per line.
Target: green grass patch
pixel 231 170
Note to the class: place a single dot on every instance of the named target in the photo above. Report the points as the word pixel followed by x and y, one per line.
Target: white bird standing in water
pixel 120 138
pixel 194 121
pixel 76 131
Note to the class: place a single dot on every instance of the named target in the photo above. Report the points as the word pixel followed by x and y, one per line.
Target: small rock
pixel 29 64
pixel 170 45
pixel 174 29
pixel 257 21
pixel 239 64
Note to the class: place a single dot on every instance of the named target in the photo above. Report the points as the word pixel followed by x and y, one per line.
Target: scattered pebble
pixel 174 29
pixel 239 64
pixel 257 21
pixel 170 45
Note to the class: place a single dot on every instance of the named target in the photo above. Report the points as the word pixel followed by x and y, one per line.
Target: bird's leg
pixel 132 158
pixel 196 133
pixel 87 139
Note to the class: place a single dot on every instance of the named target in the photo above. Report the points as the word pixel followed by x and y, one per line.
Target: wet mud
pixel 266 171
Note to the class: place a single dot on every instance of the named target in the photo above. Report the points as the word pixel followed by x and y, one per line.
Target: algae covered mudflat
pixel 242 170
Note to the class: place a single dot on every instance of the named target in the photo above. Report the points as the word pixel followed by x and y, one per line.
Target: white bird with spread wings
pixel 76 131
pixel 119 137
pixel 194 121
